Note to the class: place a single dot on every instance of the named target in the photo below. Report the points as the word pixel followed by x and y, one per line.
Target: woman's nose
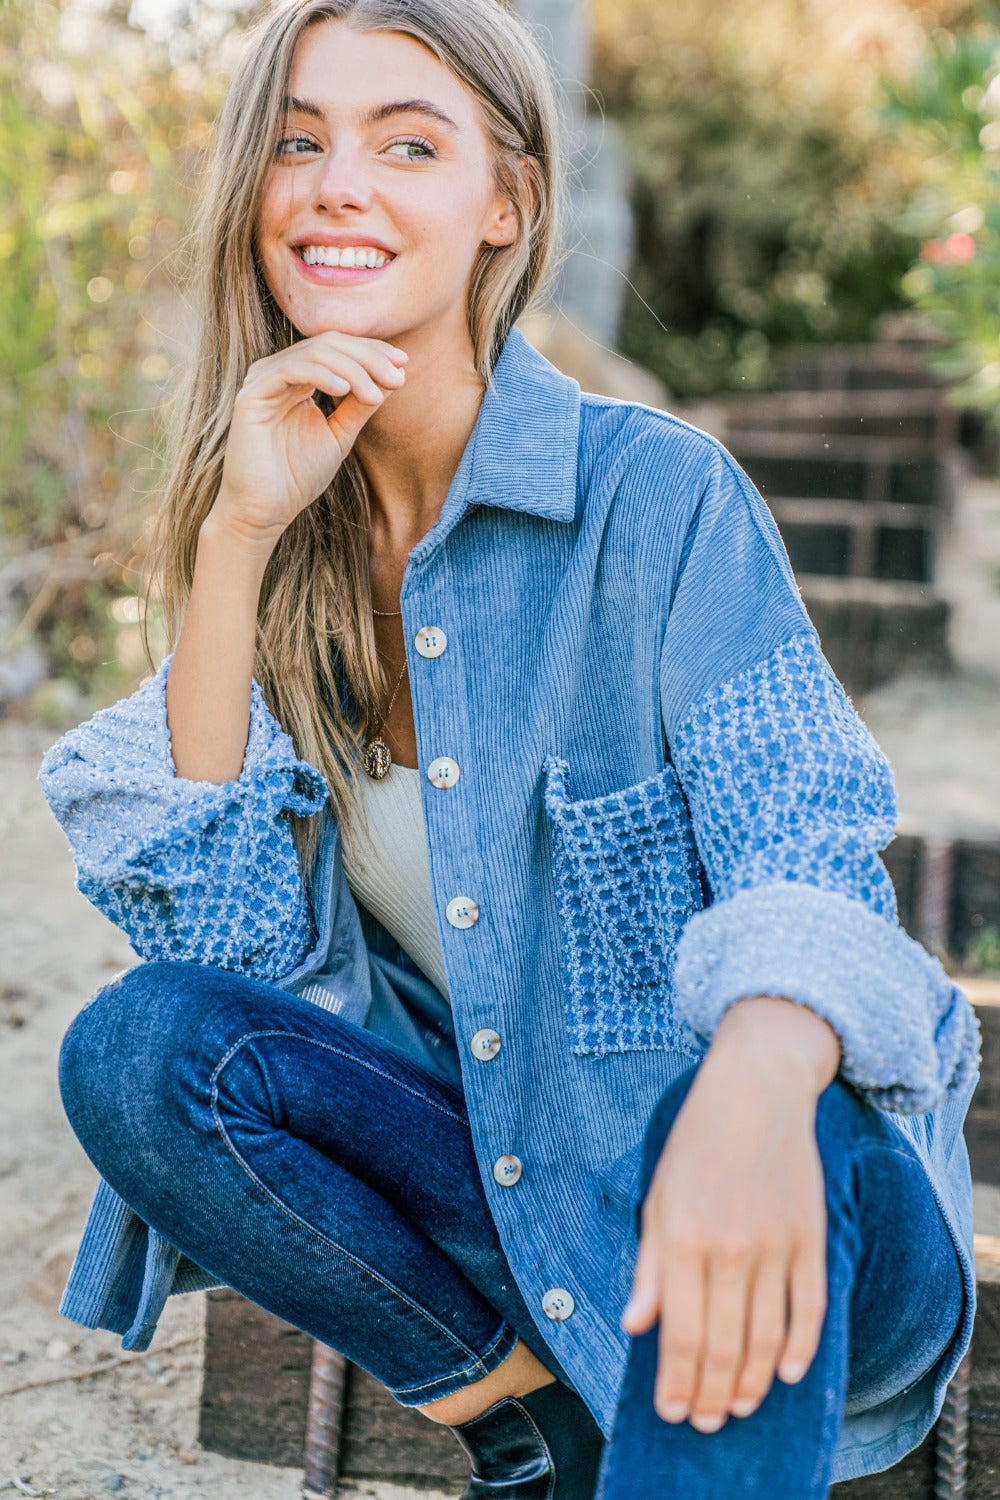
pixel 344 180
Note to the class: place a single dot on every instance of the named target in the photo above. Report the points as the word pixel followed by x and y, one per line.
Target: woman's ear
pixel 504 228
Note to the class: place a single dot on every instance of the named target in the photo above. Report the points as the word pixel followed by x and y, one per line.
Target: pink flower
pixel 934 250
pixel 957 249
pixel 960 247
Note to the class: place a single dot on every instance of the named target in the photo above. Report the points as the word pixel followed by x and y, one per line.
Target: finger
pixel 767 1322
pixel 351 377
pixel 682 1328
pixel 375 356
pixel 807 1306
pixel 361 344
pixel 728 1286
pixel 295 377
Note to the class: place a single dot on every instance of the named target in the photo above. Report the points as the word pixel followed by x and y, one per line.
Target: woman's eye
pixel 424 146
pixel 289 146
pixel 293 140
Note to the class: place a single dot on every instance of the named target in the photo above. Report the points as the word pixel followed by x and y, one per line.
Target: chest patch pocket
pixel 627 879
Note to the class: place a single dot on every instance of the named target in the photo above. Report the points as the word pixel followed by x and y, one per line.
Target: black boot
pixel 543 1446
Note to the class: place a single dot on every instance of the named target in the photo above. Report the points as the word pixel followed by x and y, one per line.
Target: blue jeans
pixel 330 1177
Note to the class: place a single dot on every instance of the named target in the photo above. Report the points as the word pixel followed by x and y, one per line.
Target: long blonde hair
pixel 315 654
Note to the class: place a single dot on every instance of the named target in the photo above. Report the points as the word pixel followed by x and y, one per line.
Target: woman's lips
pixel 339 275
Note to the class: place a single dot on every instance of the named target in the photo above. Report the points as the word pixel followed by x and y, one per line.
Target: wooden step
pixel 923 415
pixel 947 888
pixel 872 629
pixel 858 538
pixel 858 367
pixel 800 465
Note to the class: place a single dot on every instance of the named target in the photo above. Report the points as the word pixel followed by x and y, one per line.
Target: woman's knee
pixel 116 1049
pixel 846 1122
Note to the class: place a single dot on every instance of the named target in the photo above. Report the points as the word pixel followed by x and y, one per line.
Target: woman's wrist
pixel 781 1037
pixel 218 535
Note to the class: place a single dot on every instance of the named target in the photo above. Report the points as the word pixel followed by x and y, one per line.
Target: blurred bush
pixel 770 193
pixel 947 114
pixel 99 135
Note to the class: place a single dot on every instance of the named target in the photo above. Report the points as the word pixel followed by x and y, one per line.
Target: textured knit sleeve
pixel 791 800
pixel 190 870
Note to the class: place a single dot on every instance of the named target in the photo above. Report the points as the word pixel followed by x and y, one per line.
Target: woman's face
pixel 409 182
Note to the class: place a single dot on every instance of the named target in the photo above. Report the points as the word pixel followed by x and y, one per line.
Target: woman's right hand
pixel 281 451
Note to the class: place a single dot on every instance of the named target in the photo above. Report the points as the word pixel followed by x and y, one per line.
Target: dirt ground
pixel 130 1424
pixel 78 1419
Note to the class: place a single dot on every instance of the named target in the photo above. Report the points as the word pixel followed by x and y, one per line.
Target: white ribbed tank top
pixel 392 876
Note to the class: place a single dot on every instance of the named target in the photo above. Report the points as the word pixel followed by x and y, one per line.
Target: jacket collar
pixel 522 453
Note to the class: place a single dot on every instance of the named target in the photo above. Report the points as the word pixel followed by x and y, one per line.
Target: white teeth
pixel 350 255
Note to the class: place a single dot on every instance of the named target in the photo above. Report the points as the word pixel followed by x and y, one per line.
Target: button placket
pixel 462 912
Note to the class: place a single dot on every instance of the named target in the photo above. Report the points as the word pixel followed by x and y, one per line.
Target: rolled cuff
pixel 909 1036
pixel 112 785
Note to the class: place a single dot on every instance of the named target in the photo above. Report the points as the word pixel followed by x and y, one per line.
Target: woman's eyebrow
pixel 378 111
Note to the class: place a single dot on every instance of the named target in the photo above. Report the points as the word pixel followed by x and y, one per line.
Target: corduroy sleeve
pixel 190 870
pixel 791 800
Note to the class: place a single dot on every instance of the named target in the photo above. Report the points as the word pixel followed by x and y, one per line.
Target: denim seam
pixel 477 1364
pixel 869 1148
pixel 476 1361
pixel 908 1152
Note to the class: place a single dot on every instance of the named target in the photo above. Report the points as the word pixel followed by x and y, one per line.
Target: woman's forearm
pixel 208 684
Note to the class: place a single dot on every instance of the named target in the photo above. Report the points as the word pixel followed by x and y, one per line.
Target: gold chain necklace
pixel 378 758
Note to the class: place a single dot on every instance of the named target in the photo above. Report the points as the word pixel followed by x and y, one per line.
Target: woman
pixel 565 971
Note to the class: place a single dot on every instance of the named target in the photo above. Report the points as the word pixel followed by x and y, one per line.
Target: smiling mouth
pixel 320 258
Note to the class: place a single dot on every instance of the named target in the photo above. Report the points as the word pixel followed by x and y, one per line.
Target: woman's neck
pixel 412 446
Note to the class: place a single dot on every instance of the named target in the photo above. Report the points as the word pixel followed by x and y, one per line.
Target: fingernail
pixel 707 1424
pixel 743 1406
pixel 792 1370
pixel 675 1411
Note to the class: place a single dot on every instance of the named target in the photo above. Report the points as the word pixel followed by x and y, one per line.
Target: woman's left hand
pixel 732 1257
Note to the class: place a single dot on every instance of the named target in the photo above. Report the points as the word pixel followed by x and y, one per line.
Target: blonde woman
pixel 502 850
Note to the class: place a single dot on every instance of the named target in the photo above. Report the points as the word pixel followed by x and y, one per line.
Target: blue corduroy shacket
pixel 667 802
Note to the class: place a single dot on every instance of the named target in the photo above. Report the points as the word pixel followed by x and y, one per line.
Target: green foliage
pixel 982 956
pixel 948 113
pixel 94 147
pixel 766 216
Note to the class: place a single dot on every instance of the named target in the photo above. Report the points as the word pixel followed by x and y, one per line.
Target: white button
pixel 430 640
pixel 506 1170
pixel 443 771
pixel 485 1044
pixel 557 1303
pixel 462 911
